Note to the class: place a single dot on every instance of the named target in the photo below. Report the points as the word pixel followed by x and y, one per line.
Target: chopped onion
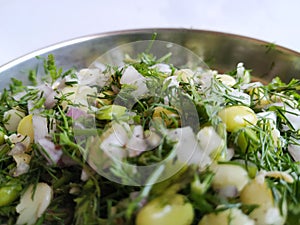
pixel 84 175
pixel 210 142
pixel 137 143
pixel 187 147
pixel 293 117
pixel 40 127
pixel 76 113
pixel 132 77
pixel 92 76
pixel 185 75
pixel 162 67
pixel 48 94
pixel 51 153
pixel 242 73
pixel 173 82
pixel 114 140
pixel 294 150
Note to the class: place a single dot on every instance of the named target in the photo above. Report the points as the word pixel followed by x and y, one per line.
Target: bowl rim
pixel 89 37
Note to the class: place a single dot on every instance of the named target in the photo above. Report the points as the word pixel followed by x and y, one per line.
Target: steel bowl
pixel 221 51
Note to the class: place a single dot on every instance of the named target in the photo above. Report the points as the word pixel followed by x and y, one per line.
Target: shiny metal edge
pixel 45 50
pixel 132 31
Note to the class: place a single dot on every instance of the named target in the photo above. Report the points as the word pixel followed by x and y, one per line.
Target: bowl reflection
pixel 220 51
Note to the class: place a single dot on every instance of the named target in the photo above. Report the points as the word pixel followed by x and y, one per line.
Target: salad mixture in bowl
pixel 149 142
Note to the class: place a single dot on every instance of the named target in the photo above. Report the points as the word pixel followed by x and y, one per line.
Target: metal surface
pixel 220 51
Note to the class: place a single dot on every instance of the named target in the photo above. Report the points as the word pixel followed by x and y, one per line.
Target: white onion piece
pixel 48 94
pixel 51 153
pixel 137 143
pixel 251 85
pixel 173 82
pixel 185 75
pixel 294 150
pixel 19 95
pixel 242 73
pixel 92 76
pixel 76 113
pixel 40 127
pixel 210 141
pixel 235 94
pixel 187 147
pixel 114 140
pixel 84 175
pixel 152 138
pixel 204 79
pixel 240 69
pixel 162 67
pixel 79 94
pixel 82 95
pixel 239 96
pixel 31 207
pixel 293 117
pixel 59 84
pixel 31 105
pixel 46 89
pixel 132 77
pixel 120 141
pixel 50 100
pixel 270 115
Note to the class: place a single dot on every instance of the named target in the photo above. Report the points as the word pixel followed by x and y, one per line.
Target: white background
pixel 28 25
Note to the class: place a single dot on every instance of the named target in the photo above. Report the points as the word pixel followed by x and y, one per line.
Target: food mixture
pixel 148 143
